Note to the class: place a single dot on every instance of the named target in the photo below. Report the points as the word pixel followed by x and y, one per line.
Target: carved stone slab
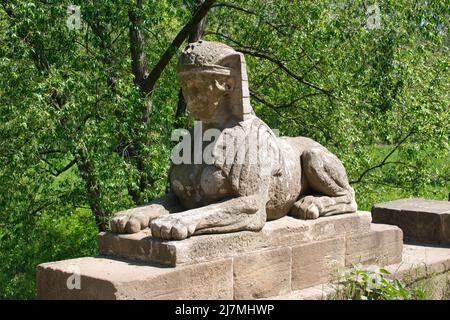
pixel 112 279
pixel 283 232
pixel 421 220
pixel 279 268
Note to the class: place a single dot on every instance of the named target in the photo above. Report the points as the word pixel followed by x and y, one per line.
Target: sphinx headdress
pixel 217 58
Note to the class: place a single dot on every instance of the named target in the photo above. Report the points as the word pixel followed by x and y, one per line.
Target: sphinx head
pixel 213 79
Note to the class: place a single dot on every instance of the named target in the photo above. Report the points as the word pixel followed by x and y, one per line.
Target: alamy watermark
pixel 373 20
pixel 73 21
pixel 74 281
pixel 213 146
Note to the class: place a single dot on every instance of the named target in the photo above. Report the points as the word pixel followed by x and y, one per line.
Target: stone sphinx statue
pixel 252 177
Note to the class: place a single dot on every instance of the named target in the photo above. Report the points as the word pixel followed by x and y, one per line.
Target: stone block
pixel 262 274
pixel 419 263
pixel 421 220
pixel 106 278
pixel 383 245
pixel 137 246
pixel 317 262
pixel 287 255
pixel 286 231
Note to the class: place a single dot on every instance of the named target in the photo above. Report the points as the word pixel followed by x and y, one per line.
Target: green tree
pixel 86 113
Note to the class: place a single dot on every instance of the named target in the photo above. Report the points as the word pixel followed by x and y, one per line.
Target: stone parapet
pixel 425 221
pixel 284 232
pixel 286 256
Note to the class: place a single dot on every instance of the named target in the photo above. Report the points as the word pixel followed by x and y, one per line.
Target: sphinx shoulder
pixel 248 155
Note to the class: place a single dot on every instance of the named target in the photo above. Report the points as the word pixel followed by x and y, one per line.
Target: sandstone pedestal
pixel 287 255
pixel 426 221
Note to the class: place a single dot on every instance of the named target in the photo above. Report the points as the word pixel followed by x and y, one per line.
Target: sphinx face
pixel 204 94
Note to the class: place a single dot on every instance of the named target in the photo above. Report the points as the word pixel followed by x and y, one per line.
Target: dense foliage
pixel 80 139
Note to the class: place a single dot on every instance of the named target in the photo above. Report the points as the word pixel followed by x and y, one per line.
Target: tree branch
pixel 46 204
pixel 252 12
pixel 139 64
pixel 276 109
pixel 155 74
pixel 269 57
pixel 282 106
pixel 58 171
pixel 67 167
pixel 93 187
pixel 194 36
pixel 267 76
pixel 280 64
pixel 384 161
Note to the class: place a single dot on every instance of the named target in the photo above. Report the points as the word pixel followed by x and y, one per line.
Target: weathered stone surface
pixel 317 292
pixel 315 263
pixel 138 246
pixel 104 278
pixel 421 220
pixel 286 231
pixel 52 279
pixel 383 245
pixel 418 262
pixel 288 254
pixel 262 274
pixel 246 175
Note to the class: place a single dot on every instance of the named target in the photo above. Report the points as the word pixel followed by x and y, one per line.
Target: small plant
pixel 359 284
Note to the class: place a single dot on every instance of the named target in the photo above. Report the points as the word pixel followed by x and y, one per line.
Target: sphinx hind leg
pixel 327 179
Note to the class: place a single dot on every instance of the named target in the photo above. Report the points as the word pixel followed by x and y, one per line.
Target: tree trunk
pixel 93 189
pixel 146 79
pixel 194 36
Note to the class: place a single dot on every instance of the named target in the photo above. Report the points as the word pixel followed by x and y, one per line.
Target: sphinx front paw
pixel 173 227
pixel 136 219
pixel 128 222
